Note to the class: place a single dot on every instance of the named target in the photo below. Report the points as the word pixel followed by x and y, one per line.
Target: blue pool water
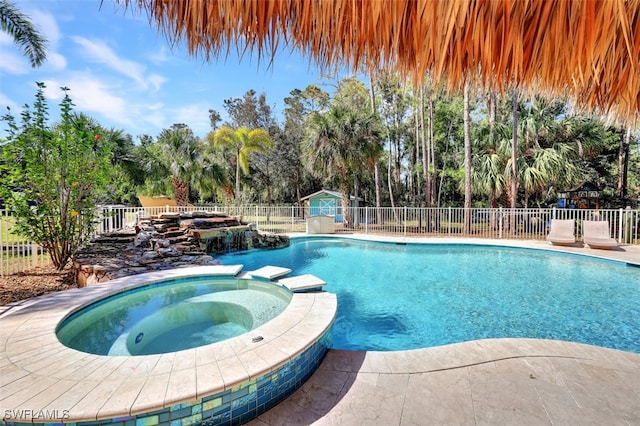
pixel 396 297
pixel 172 315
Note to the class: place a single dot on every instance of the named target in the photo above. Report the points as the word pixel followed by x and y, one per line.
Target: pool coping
pixel 42 375
pixel 625 253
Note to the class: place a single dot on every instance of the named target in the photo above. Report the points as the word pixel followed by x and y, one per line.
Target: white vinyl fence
pixel 500 223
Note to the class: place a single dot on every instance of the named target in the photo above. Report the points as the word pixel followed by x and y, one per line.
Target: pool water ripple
pixel 397 297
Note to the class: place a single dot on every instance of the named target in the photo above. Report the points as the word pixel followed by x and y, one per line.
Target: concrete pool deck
pixel 497 381
pixel 485 382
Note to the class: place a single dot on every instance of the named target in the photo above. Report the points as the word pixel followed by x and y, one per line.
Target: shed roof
pixel 335 194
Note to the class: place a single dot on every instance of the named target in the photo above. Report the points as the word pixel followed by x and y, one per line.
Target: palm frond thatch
pixel 589 49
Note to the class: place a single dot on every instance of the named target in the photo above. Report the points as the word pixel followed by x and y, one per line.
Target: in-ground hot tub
pixel 230 381
pixel 173 315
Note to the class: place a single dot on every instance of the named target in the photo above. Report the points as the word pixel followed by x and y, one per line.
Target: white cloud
pixel 101 53
pixel 155 107
pixel 5 39
pixel 156 81
pixel 52 90
pixel 12 62
pixel 196 116
pixel 55 62
pixel 157 120
pixel 5 102
pixel 46 24
pixel 92 96
pixel 161 57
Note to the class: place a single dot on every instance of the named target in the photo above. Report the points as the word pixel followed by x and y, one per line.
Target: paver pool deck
pixel 495 381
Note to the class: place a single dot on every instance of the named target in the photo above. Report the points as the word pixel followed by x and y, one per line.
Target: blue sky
pixel 123 72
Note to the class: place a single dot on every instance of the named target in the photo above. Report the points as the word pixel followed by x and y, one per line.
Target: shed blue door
pixel 327 206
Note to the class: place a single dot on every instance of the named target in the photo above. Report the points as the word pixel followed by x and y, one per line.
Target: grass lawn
pixel 6 236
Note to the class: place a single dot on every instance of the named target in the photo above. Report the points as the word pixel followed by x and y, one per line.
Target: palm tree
pixel 514 152
pixel 339 145
pixel 543 160
pixel 176 159
pixel 243 142
pixel 211 177
pixel 489 177
pixel 467 161
pixel 24 34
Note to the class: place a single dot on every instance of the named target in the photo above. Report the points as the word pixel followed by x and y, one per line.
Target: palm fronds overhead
pixel 589 49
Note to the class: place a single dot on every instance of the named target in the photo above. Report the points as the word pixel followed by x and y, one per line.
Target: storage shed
pixel 328 203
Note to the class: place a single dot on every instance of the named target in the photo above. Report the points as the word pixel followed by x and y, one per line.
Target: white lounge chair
pixel 596 234
pixel 562 232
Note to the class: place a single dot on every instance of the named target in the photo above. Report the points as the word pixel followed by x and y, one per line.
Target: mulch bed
pixel 34 282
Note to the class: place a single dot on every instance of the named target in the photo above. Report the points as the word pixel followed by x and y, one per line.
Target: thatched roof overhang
pixel 586 49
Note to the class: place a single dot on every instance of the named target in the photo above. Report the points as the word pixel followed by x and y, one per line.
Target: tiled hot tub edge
pixel 230 407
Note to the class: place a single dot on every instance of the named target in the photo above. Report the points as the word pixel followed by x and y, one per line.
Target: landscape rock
pixel 169 240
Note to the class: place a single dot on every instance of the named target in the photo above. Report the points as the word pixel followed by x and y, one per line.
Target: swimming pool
pixel 397 297
pixel 172 315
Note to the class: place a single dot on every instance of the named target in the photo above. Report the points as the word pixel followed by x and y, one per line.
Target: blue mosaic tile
pixel 216 395
pixel 239 410
pixel 222 419
pixel 206 415
pixel 262 381
pixel 180 413
pixel 264 399
pixel 249 415
pixel 192 420
pixel 224 408
pixel 239 393
pixel 211 404
pixel 148 420
pixel 270 387
pixel 179 406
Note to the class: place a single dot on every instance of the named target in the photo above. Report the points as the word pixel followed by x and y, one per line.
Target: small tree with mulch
pixel 51 176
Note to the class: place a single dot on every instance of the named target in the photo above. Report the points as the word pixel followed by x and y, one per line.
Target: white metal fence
pixel 500 223
pixel 16 253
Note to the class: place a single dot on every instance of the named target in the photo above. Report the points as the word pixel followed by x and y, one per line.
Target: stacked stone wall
pixel 165 241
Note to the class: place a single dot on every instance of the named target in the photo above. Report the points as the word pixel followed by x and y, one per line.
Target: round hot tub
pixel 172 315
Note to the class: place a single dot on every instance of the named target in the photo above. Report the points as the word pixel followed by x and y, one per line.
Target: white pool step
pixel 302 282
pixel 269 272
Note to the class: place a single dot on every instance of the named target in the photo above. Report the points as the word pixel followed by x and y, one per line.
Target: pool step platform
pixel 306 282
pixel 269 272
pixel 297 284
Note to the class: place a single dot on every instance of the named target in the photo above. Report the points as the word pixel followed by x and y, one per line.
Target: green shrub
pixel 51 175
